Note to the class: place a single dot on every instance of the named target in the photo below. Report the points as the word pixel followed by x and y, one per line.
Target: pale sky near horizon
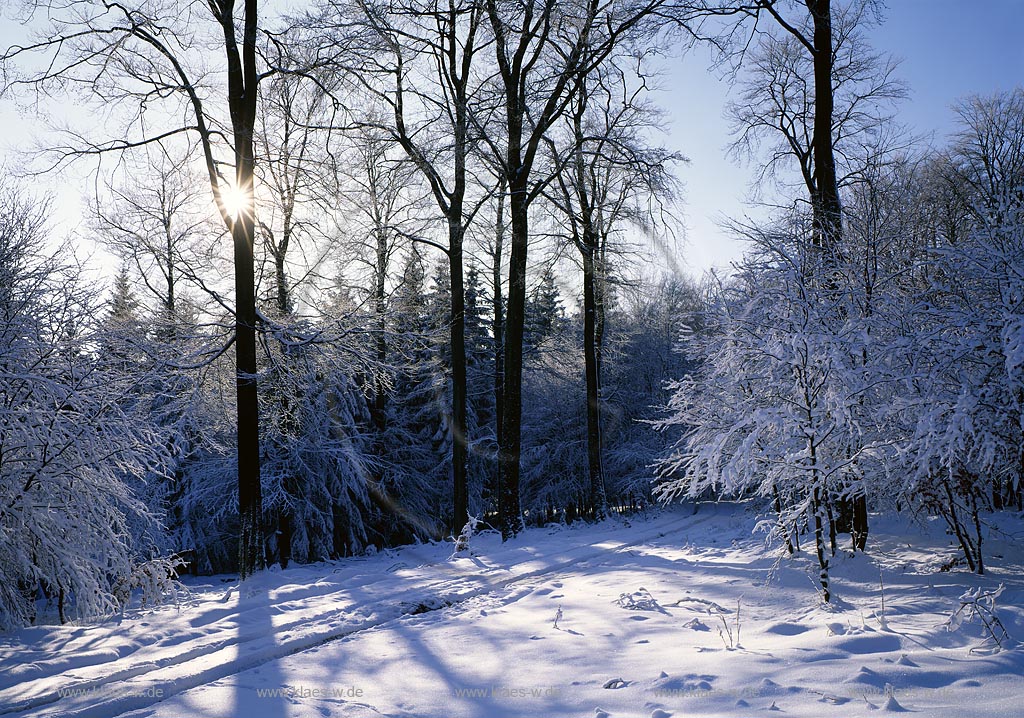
pixel 949 48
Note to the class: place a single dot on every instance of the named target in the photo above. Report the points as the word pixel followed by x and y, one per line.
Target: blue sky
pixel 949 48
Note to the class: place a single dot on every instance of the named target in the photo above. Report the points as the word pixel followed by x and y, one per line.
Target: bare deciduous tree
pixel 144 65
pixel 818 95
pixel 543 50
pixel 612 178
pixel 155 228
pixel 426 78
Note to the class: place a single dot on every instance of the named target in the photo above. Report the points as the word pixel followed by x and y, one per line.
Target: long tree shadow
pixel 267 696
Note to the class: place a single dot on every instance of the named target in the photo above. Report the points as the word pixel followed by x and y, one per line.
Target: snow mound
pixel 787 629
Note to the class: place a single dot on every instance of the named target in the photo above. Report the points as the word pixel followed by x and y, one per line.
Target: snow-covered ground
pixel 672 614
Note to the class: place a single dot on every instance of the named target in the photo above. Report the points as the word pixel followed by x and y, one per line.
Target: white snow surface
pixel 646 627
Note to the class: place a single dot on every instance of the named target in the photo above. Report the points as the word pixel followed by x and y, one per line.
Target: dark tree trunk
pixel 529 113
pixel 832 528
pixel 498 306
pixel 825 198
pixel 170 301
pixel 284 304
pixel 512 408
pixel 589 242
pixel 997 494
pixel 380 397
pixel 284 539
pixel 280 394
pixel 949 512
pixel 242 88
pixel 819 546
pixel 250 500
pixel 460 438
pixel 860 522
pixel 598 501
pixel 459 79
pixel 456 48
pixel 778 510
pixel 819 534
pixel 457 319
pixel 980 569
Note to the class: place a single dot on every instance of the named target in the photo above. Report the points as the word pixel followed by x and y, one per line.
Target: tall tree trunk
pixel 460 438
pixel 819 546
pixel 170 301
pixel 498 305
pixel 860 522
pixel 280 396
pixel 284 305
pixel 511 416
pixel 825 202
pixel 380 341
pixel 456 49
pixel 598 499
pixel 819 534
pixel 589 242
pixel 242 88
pixel 250 499
pixel 456 236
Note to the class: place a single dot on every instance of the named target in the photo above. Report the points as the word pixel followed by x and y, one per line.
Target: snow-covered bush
pixel 884 372
pixel 316 467
pixel 72 527
pixel 966 394
pixel 776 407
pixel 966 444
pixel 978 604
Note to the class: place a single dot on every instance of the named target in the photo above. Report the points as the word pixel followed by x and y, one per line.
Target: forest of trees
pixel 436 308
pixel 880 369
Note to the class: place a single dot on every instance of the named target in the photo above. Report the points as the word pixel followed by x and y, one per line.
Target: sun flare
pixel 235 201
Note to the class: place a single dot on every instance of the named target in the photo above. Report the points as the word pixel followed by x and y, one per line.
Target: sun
pixel 234 200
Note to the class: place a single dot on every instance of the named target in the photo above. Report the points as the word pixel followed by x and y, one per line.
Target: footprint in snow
pixel 659 713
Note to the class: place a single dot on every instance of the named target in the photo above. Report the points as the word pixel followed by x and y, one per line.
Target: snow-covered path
pixel 111 668
pixel 644 620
